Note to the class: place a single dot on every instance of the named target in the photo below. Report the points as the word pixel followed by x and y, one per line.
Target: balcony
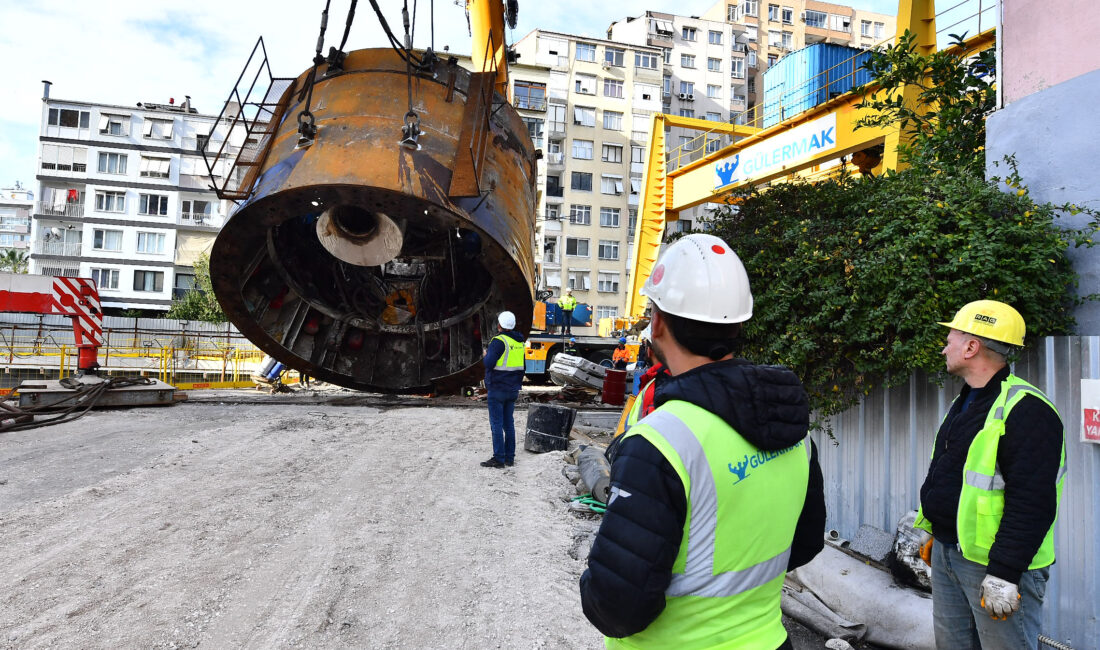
pixel 555 159
pixel 60 210
pixel 195 219
pixel 68 249
pixel 15 228
pixel 740 48
pixel 530 103
pixel 555 191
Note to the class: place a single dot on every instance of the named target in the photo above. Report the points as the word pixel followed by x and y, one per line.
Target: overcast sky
pixel 128 51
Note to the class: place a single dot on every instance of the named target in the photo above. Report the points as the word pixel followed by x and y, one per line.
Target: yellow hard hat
pixel 990 319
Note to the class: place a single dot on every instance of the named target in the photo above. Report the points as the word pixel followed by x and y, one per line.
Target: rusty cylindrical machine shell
pixel 423 320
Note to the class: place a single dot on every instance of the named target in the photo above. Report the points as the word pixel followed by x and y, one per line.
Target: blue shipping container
pixel 811 76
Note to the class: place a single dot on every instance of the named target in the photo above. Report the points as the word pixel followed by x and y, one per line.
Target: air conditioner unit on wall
pixel 683 95
pixel 691 98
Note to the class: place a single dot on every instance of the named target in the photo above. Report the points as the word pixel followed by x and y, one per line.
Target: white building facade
pixel 123 197
pixel 16 204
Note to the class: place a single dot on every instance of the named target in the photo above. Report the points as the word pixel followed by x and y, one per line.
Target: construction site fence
pixel 875 466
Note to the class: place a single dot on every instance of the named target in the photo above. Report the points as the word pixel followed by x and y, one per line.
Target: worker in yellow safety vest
pixel 504 366
pixel 717 493
pixel 992 491
pixel 567 303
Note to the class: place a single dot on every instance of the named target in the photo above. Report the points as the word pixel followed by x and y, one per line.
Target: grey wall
pixel 1054 135
pixel 874 470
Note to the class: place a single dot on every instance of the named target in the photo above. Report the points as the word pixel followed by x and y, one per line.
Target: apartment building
pixel 16 204
pixel 704 77
pixel 774 28
pixel 600 98
pixel 123 198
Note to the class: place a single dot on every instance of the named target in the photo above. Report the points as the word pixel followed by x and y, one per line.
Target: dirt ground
pixel 275 525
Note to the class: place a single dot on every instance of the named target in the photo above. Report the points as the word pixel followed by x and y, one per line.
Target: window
pixel 585 84
pixel 816 18
pixel 865 28
pixel 575 247
pixel 613 120
pixel 612 88
pixel 714 65
pixel 788 40
pixel 69 118
pixel 637 154
pixel 751 58
pixel 580 214
pixel 534 129
pixel 667 56
pixel 608 281
pixel 714 38
pixel 686 143
pixel 612 153
pixel 739 98
pixel 584 116
pixel 635 183
pixel 737 68
pixel 530 95
pixel 160 129
pixel 750 7
pixel 586 52
pixel 788 16
pixel 606 311
pixel 611 184
pixel 714 117
pixel 772 58
pixel 645 60
pixel 148 281
pixel 556 113
pixel 713 144
pixel 553 186
pixel 687 112
pixel 553 211
pixel 153 204
pixel 106 240
pixel 687 61
pixel 714 92
pixel 64 158
pixel 582 149
pixel 639 135
pixel 752 32
pixel 613 56
pixel 609 217
pixel 666 86
pixel 150 242
pixel 582 181
pixel 879 30
pixel 112 163
pixel 688 33
pixel 773 12
pixel 752 84
pixel 110 201
pixel 687 88
pixel 775 37
pixel 631 223
pixel 199 211
pixel 841 23
pixel 731 13
pixel 105 278
pixel 609 250
pixel 578 280
pixel 114 124
pixel 155 167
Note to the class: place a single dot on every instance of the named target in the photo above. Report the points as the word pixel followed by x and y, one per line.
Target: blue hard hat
pixel 622 339
pixel 572 340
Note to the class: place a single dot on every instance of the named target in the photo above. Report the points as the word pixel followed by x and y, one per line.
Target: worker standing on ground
pixel 621 356
pixel 717 493
pixel 503 379
pixel 992 491
pixel 567 303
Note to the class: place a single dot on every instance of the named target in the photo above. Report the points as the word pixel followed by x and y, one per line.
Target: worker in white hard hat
pixel 992 491
pixel 503 380
pixel 567 303
pixel 717 493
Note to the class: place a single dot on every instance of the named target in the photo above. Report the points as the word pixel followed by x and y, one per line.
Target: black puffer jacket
pixel 630 564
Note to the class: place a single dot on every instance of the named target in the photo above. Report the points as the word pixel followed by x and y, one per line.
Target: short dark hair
pixel 713 340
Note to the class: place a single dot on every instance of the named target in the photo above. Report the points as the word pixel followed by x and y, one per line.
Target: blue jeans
pixel 958 616
pixel 503 426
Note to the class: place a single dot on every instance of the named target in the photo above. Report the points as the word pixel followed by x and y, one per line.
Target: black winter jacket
pixel 630 563
pixel 1028 454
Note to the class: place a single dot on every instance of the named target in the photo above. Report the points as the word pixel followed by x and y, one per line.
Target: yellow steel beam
pixel 652 211
pixel 487 40
pixel 919 17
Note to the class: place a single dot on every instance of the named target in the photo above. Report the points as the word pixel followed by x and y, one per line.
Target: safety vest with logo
pixel 567 302
pixel 742 508
pixel 982 500
pixel 512 358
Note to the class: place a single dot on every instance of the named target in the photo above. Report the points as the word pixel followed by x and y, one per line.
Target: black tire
pixel 601 357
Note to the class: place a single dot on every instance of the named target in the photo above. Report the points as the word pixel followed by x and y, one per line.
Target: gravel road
pixel 280 526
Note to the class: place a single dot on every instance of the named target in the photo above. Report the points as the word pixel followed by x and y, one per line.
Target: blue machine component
pixel 809 77
pixel 582 315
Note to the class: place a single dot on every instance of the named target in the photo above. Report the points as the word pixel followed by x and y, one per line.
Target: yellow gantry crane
pixel 763 152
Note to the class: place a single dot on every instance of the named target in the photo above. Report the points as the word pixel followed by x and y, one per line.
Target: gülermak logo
pixel 725 170
pixel 741 469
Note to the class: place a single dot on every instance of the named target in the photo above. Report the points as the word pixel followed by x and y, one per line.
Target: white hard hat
pixel 507 320
pixel 699 277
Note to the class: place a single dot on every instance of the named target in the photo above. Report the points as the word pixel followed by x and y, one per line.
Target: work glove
pixel 924 541
pixel 999 597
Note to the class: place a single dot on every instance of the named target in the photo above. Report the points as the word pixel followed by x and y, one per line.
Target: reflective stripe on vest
pixel 511 360
pixel 698 578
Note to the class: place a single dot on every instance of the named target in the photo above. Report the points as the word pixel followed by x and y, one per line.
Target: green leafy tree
pixel 14 261
pixel 852 274
pixel 199 303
